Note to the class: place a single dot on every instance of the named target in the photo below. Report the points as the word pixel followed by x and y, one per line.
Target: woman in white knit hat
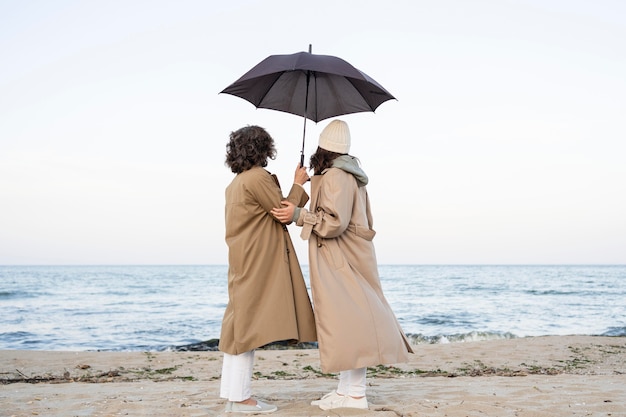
pixel 356 328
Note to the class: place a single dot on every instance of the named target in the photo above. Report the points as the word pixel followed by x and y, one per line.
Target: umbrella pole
pixel 306 105
pixel 302 151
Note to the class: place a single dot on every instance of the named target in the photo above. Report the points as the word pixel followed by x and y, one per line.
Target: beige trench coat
pixel 355 325
pixel 268 299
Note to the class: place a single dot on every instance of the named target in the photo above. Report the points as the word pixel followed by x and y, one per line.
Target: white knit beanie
pixel 335 137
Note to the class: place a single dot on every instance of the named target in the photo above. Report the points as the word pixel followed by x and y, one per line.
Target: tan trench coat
pixel 355 325
pixel 268 299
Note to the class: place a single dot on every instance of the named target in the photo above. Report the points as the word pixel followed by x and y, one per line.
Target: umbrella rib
pixel 269 88
pixel 275 81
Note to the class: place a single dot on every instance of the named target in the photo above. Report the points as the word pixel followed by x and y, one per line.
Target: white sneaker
pixel 334 400
pixel 328 397
pixel 259 408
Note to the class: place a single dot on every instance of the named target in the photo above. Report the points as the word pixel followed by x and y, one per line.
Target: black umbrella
pixel 316 87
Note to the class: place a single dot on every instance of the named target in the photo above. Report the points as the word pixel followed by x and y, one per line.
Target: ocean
pixel 155 308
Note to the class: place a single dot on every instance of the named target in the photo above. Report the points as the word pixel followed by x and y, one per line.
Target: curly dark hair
pixel 249 147
pixel 322 159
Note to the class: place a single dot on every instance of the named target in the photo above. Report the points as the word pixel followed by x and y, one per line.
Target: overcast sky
pixel 506 145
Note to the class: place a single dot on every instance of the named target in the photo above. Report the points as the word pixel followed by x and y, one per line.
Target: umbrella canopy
pixel 280 82
pixel 316 87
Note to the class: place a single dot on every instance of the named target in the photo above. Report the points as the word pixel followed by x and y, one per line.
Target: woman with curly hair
pixel 267 295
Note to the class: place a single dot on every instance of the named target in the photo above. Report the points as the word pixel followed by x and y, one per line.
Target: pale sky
pixel 506 145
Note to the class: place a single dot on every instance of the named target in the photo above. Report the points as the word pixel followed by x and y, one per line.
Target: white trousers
pixel 237 376
pixel 352 382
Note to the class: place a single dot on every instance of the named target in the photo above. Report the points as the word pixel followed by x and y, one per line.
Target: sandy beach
pixel 537 376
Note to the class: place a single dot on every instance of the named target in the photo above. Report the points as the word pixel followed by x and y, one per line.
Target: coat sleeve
pixel 333 213
pixel 266 191
pixel 297 195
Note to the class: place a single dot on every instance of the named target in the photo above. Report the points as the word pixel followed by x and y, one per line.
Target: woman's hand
pixel 285 213
pixel 300 176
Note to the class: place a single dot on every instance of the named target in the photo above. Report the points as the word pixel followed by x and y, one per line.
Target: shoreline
pixel 533 376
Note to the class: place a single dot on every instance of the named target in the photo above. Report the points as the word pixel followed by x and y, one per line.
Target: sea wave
pixel 420 339
pixel 414 339
pixel 615 331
